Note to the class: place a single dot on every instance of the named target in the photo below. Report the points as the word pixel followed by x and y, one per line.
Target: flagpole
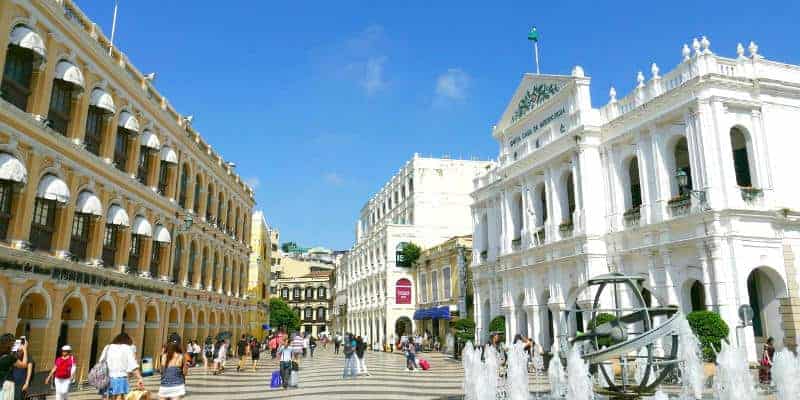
pixel 113 27
pixel 536 55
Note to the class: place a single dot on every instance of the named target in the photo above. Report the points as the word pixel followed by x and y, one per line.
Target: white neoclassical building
pixel 426 202
pixel 688 181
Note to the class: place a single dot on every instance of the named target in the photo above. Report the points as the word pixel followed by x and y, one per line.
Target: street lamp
pixel 683 181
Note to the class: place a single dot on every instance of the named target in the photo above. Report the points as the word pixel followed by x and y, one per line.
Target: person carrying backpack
pixel 63 372
pixel 208 353
pixel 349 357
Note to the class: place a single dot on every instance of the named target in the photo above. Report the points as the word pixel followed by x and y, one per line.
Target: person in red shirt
pixel 63 371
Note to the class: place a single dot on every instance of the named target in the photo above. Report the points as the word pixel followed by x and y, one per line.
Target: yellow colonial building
pixel 115 214
pixel 444 288
pixel 263 242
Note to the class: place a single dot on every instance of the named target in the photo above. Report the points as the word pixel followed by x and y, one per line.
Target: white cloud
pixel 253 181
pixel 333 178
pixel 452 85
pixel 360 58
pixel 373 80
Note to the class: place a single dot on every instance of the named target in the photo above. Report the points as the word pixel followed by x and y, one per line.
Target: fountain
pixel 517 375
pixel 660 396
pixel 733 380
pixel 487 382
pixel 786 374
pixel 691 366
pixel 558 379
pixel 470 368
pixel 579 382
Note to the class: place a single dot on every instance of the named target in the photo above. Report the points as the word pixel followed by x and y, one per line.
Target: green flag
pixel 533 34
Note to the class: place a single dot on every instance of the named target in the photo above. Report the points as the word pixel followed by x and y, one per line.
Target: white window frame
pixel 446 283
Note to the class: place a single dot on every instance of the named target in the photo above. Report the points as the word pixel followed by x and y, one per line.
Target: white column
pixel 592 181
pixel 662 178
pixel 644 158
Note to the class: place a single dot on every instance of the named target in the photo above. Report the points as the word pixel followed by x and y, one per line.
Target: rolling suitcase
pixel 424 364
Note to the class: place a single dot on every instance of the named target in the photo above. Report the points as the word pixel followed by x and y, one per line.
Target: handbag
pixel 98 375
pixel 276 380
pixel 295 366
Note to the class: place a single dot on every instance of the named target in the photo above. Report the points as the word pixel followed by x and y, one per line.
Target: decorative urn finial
pixel 739 50
pixel 696 47
pixel 612 94
pixel 654 71
pixel 753 48
pixel 706 45
pixel 640 79
pixel 686 52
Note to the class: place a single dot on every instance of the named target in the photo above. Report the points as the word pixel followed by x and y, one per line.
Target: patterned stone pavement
pixel 321 378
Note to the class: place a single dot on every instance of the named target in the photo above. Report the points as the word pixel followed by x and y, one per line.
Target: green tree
pixel 710 330
pixel 465 330
pixel 601 319
pixel 409 255
pixel 281 316
pixel 498 324
pixel 288 247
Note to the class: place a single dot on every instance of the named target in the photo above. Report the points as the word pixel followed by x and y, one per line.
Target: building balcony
pixel 680 205
pixel 632 217
pixel 751 195
pixel 566 229
pixel 540 236
pixel 516 244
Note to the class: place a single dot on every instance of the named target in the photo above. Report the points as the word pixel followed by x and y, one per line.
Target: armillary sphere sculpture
pixel 631 335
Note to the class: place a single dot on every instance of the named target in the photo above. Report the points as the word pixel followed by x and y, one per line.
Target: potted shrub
pixel 710 330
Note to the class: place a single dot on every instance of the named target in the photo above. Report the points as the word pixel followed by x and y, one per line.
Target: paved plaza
pixel 321 378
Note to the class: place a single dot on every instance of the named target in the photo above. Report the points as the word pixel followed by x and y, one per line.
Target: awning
pixel 141 226
pixel 128 121
pixel 12 169
pixel 89 203
pixel 52 187
pixel 25 37
pixel 161 234
pixel 101 99
pixel 149 139
pixel 169 155
pixel 442 312
pixel 67 71
pixel 117 216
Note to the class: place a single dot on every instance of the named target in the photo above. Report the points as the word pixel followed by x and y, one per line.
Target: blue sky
pixel 319 103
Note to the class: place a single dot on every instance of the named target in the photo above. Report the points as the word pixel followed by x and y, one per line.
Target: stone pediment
pixel 533 92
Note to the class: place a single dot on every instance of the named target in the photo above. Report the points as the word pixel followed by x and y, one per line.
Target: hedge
pixel 710 330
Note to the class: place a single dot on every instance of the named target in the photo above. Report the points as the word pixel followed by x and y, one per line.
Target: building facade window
pixel 196 205
pixel 155 258
pixel 446 284
pixel 93 137
pixel 60 106
pixel 135 253
pixel 321 293
pixel 681 154
pixel 309 293
pixel 79 238
pixel 17 76
pixel 142 165
pixel 176 262
pixel 285 293
pixel 190 267
pixel 321 314
pixel 435 285
pixel 183 186
pixel 209 196
pixel 121 148
pixel 296 294
pixel 110 245
pixel 163 177
pixel 6 190
pixel 635 185
pixel 423 290
pixel 308 314
pixel 43 224
pixel 741 160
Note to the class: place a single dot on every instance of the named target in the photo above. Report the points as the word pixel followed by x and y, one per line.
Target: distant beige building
pixel 259 274
pixel 444 288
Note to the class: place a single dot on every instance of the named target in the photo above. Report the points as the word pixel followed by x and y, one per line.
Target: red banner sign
pixel 403 292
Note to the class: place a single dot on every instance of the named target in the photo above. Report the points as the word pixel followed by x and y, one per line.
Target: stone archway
pixel 189 327
pixel 35 312
pixel 403 327
pixel 150 342
pixel 73 322
pixel 765 289
pixel 104 318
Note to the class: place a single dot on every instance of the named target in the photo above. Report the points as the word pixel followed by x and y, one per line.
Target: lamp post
pixel 684 189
